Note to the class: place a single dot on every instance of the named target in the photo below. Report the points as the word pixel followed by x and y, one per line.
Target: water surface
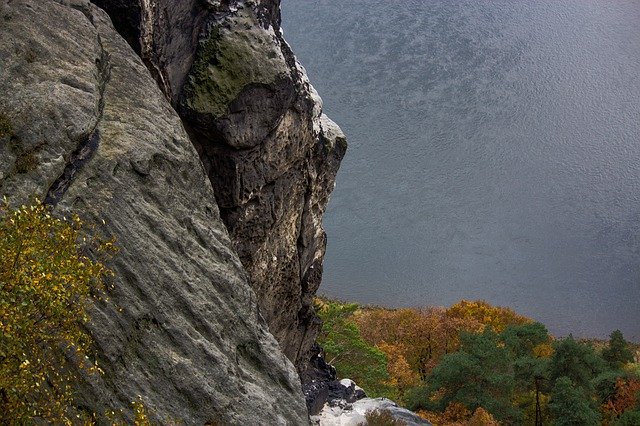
pixel 494 153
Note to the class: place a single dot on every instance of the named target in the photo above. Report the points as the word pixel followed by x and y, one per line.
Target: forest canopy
pixel 475 361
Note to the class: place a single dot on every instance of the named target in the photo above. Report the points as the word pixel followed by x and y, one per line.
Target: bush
pixel 46 282
pixel 382 418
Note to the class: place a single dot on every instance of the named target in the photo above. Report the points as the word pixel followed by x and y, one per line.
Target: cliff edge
pixel 216 211
pixel 270 153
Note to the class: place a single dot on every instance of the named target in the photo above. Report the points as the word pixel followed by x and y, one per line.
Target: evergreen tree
pixel 521 340
pixel 525 342
pixel 577 361
pixel 628 418
pixel 570 406
pixel 478 375
pixel 617 353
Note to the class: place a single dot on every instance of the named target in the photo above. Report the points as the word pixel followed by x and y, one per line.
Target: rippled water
pixel 494 153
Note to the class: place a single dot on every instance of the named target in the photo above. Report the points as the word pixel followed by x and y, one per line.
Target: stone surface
pixel 319 393
pixel 84 126
pixel 346 414
pixel 258 126
pixel 320 384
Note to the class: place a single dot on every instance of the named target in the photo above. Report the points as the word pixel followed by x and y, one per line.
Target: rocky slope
pixel 257 123
pixel 86 128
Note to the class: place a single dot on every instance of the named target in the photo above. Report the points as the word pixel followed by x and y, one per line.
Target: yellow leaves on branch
pixel 46 281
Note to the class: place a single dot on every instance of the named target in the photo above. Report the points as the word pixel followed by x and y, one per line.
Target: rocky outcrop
pixel 257 123
pixel 333 393
pixel 84 126
pixel 343 413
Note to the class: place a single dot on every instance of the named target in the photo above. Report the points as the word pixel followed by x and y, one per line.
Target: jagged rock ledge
pixel 257 124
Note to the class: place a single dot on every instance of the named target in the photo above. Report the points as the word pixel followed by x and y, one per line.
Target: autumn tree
pixel 485 315
pixel 624 398
pixel 46 281
pixel 420 337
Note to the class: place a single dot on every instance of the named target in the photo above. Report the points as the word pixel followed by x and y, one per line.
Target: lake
pixel 494 153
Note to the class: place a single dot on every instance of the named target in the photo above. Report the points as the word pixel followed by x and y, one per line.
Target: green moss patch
pixel 230 59
pixel 6 130
pixel 26 162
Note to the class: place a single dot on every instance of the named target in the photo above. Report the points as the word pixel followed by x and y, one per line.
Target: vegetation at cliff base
pixel 46 281
pixel 477 364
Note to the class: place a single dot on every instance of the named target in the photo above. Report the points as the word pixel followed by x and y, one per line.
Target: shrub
pixel 382 418
pixel 46 282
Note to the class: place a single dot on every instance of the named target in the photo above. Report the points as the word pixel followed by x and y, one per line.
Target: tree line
pixel 474 361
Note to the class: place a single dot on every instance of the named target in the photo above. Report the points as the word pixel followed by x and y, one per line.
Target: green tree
pixel 577 361
pixel 617 353
pixel 628 418
pixel 348 352
pixel 522 340
pixel 478 375
pixel 570 406
pixel 530 367
pixel 46 281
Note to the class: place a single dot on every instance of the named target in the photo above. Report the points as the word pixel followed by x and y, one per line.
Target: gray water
pixel 494 153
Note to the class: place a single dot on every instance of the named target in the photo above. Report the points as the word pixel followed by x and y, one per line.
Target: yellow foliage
pixel 401 375
pixel 141 418
pixel 483 315
pixel 481 417
pixel 46 281
pixel 543 350
pixel 457 414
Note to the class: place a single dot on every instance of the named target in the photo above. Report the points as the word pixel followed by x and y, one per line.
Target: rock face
pixel 257 123
pixel 84 126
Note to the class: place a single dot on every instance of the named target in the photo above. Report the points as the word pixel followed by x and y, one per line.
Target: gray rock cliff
pixel 257 123
pixel 86 128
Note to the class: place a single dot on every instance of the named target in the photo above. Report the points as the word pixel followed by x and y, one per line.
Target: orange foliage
pixel 416 339
pixel 481 417
pixel 625 397
pixel 401 375
pixel 457 414
pixel 422 337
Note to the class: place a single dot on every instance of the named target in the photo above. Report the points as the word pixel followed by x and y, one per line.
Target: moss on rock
pixel 6 130
pixel 229 60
